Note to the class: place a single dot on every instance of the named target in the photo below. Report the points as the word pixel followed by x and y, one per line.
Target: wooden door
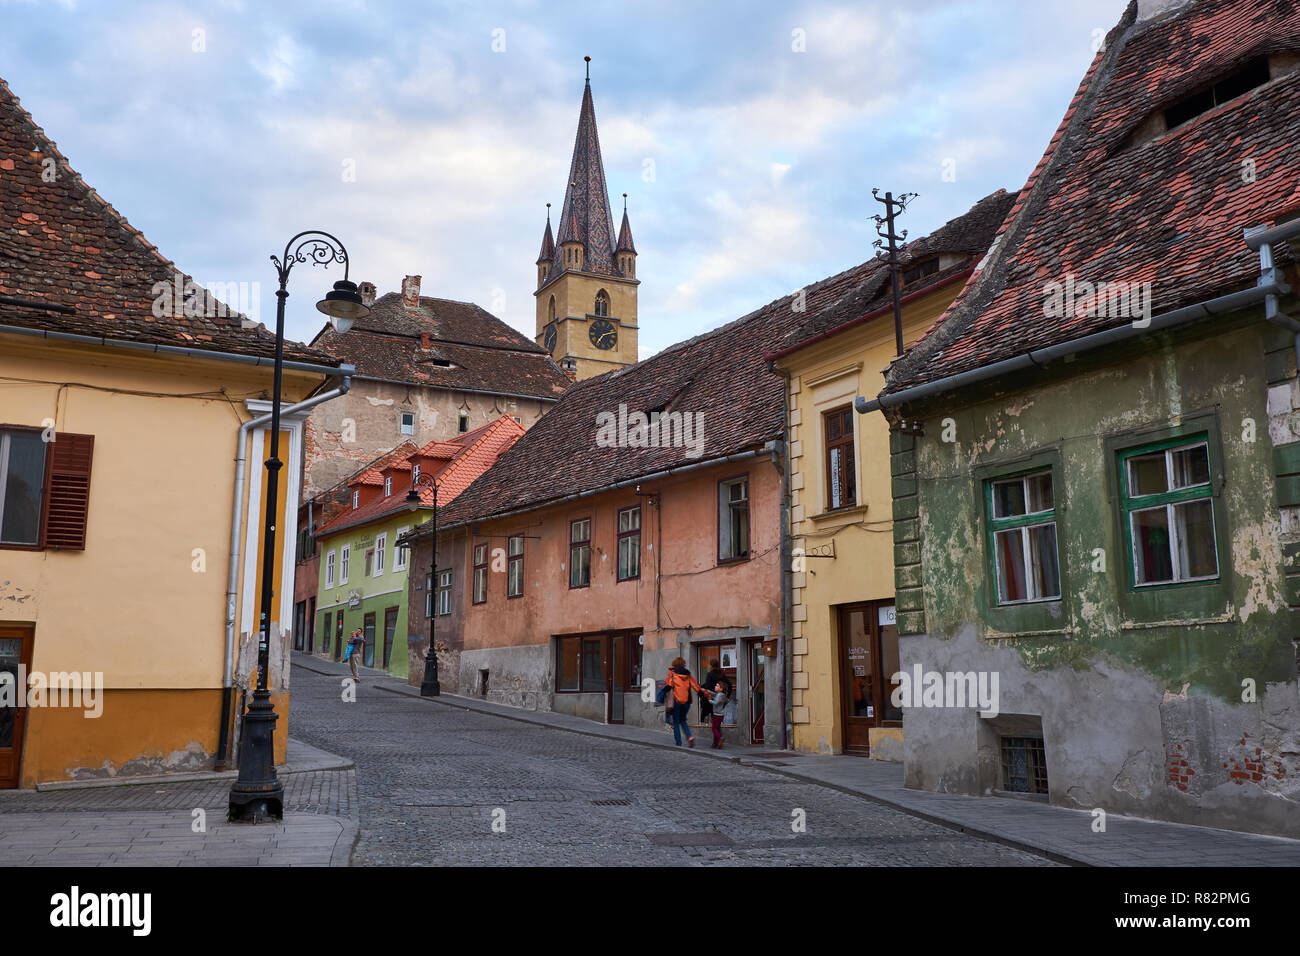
pixel 15 659
pixel 868 647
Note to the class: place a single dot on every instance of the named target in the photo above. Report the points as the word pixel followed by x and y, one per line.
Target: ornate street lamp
pixel 430 686
pixel 257 795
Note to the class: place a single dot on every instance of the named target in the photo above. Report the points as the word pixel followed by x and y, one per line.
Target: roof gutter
pixel 236 531
pixel 767 449
pixel 457 388
pixel 1218 306
pixel 103 342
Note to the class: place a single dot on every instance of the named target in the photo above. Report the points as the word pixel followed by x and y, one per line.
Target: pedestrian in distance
pixel 681 681
pixel 719 703
pixel 356 646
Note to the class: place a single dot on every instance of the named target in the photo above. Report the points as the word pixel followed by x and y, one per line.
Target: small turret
pixel 548 252
pixel 625 251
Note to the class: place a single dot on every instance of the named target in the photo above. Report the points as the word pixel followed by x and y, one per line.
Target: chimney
pixel 368 291
pixel 411 293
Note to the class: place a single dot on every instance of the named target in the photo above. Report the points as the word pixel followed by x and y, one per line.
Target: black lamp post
pixel 429 687
pixel 257 794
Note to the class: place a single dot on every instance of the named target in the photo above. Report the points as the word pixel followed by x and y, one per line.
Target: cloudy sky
pixel 430 136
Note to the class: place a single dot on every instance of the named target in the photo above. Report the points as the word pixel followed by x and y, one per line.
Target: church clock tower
pixel 586 277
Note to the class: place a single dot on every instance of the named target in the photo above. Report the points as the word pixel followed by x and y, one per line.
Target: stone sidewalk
pixel 180 820
pixel 1060 834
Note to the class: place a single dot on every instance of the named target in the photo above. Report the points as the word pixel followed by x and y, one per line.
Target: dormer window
pixel 415 474
pixel 1253 74
pixel 919 270
pixel 356 499
pixel 388 485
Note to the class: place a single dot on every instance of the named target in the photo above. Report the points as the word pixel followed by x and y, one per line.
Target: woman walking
pixel 681 682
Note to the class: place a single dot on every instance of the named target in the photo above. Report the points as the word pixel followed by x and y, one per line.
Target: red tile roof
pixel 62 244
pixel 484 353
pixel 1169 211
pixel 476 451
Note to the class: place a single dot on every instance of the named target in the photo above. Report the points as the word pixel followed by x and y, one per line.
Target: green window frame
pixel 1171 549
pixel 1024 544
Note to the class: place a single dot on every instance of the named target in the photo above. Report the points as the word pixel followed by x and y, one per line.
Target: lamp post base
pixel 257 796
pixel 430 686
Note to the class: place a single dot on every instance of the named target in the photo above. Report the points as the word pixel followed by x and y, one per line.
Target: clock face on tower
pixel 548 338
pixel 603 335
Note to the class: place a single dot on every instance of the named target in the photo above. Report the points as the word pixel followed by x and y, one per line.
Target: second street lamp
pixel 429 687
pixel 257 794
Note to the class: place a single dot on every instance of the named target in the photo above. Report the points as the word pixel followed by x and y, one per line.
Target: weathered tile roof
pixel 965 239
pixel 62 244
pixel 1169 211
pixel 721 376
pixel 485 354
pixel 475 452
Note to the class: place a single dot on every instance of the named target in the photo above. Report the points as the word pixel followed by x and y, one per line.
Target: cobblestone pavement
pixel 442 786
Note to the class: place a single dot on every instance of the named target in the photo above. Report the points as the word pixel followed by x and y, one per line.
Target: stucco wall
pixel 1142 708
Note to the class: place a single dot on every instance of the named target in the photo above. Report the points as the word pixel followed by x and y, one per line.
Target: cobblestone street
pixel 432 779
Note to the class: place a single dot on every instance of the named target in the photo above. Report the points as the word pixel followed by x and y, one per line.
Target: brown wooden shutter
pixel 67 491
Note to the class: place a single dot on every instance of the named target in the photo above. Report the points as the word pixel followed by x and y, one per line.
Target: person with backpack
pixel 681 682
pixel 355 648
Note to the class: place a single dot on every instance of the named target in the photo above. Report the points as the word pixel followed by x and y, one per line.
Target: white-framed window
pixel 329 570
pixel 344 555
pixel 408 423
pixel 444 592
pixel 399 553
pixel 388 485
pixel 415 473
pixel 356 498
pixel 1022 525
pixel 381 548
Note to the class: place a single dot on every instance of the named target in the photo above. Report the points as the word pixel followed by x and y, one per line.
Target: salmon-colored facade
pixel 610 634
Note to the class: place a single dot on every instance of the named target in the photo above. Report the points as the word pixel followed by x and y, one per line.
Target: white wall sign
pixel 885 616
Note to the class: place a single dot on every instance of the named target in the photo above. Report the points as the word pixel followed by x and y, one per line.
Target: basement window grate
pixel 1024 765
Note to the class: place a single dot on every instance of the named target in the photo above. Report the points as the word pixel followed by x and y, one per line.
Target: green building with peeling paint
pixel 1096 451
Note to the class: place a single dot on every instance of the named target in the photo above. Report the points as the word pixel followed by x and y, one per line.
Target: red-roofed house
pixel 363 573
pixel 1100 441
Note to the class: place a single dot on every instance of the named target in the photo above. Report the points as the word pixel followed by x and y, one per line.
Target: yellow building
pixel 842 520
pixel 130 528
pixel 586 281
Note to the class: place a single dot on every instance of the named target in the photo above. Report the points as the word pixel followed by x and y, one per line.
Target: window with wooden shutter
pixel 67 491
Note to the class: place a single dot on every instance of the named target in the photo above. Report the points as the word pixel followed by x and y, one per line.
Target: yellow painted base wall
pixel 140 732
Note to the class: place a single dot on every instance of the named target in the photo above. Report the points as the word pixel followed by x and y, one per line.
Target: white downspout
pixel 236 531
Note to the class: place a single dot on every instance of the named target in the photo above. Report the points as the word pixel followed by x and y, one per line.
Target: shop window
pixel 1169 513
pixel 1022 531
pixel 629 543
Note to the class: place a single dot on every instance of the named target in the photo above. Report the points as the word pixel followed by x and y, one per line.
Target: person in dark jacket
pixel 711 679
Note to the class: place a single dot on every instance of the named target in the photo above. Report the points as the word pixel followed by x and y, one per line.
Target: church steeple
pixel 586 289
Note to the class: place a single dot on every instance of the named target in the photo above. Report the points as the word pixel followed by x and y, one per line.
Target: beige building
pixel 586 280
pixel 426 369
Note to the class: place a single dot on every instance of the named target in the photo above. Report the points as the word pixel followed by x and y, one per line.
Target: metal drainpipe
pixel 785 575
pixel 232 572
pixel 1262 240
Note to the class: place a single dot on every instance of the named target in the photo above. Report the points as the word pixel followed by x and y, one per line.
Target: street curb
pixel 993 837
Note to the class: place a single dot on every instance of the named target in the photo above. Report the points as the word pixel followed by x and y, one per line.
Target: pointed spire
pixel 625 233
pixel 548 243
pixel 585 216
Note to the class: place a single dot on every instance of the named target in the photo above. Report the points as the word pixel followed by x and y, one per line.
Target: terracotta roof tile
pixel 1169 211
pixel 62 244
